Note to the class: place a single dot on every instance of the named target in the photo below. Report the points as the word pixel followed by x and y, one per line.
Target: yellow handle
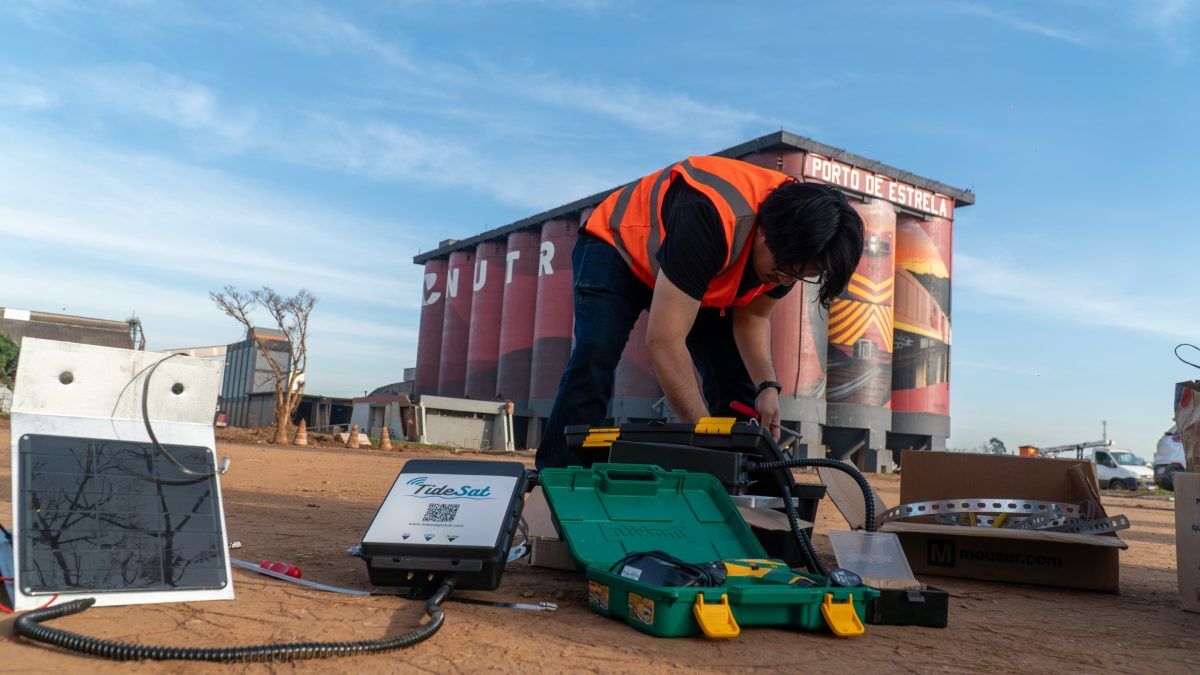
pixel 841 617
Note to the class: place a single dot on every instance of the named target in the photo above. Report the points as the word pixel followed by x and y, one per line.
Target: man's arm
pixel 752 333
pixel 672 313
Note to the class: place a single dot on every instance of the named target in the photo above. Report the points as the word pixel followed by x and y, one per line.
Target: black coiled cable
pixel 29 625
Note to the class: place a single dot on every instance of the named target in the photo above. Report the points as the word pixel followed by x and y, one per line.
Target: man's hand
pixel 767 406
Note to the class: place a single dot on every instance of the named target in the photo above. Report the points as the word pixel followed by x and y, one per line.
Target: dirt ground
pixel 307 505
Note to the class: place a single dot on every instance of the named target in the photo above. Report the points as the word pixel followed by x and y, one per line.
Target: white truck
pixel 1120 469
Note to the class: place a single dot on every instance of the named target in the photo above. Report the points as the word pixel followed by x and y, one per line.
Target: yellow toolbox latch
pixel 841 617
pixel 716 620
pixel 715 425
pixel 601 438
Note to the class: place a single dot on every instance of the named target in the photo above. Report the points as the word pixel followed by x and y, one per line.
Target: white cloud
pixel 390 152
pixel 1085 296
pixel 1019 23
pixel 24 96
pixel 104 233
pixel 317 32
pixel 170 217
pixel 636 106
pixel 145 91
pixel 1170 21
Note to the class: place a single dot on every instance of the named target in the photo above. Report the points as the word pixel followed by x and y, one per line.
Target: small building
pixel 248 375
pixel 248 384
pixel 464 423
pixel 17 324
pixel 6 396
pixel 373 412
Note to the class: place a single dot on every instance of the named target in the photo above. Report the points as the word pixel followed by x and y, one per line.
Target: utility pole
pixel 1104 434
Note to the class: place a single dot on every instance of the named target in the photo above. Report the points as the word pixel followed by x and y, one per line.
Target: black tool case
pixel 659 441
pixel 927 608
pixel 446 517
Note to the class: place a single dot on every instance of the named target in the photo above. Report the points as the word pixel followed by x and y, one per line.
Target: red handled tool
pixel 281 568
pixel 743 409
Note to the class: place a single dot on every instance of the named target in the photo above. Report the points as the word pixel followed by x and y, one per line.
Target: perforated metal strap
pixel 1009 522
pixel 992 505
pixel 1098 526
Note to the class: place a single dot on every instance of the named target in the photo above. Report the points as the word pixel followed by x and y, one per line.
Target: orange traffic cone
pixel 385 441
pixel 352 439
pixel 302 434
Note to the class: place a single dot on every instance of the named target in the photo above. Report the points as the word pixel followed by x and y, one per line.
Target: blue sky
pixel 153 151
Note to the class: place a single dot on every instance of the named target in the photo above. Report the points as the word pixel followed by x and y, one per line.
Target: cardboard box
pixel 1083 561
pixel 546 549
pixel 1187 538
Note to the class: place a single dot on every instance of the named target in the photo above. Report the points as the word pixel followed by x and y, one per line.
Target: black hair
pixel 805 222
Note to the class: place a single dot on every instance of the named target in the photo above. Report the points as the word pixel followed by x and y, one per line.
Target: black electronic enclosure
pixel 726 466
pixel 446 517
pixel 928 608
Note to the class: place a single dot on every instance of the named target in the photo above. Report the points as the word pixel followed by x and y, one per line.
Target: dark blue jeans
pixel 608 301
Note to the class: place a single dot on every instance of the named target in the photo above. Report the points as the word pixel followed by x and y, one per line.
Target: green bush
pixel 8 360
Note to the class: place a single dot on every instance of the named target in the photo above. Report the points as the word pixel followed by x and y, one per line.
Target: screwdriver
pixel 743 409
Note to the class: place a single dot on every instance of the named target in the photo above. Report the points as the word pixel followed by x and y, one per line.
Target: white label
pixel 631 573
pixel 433 296
pixel 545 259
pixel 510 258
pixel 443 510
pixel 480 274
pixel 16 314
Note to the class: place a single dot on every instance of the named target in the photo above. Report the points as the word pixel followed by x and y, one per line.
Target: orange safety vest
pixel 631 219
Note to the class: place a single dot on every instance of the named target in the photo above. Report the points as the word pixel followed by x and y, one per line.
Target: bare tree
pixel 291 317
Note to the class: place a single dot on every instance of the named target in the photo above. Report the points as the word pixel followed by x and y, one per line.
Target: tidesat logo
pixel 425 490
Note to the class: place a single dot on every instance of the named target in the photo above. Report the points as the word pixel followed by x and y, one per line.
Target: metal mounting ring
pixel 992 505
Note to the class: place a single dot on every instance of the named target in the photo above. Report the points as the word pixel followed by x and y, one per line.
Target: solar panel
pixel 100 511
pixel 110 516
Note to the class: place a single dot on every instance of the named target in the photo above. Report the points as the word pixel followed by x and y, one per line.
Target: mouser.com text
pixel 1011 558
pixel 945 553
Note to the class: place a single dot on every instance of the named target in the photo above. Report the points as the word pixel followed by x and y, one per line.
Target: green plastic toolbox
pixel 608 511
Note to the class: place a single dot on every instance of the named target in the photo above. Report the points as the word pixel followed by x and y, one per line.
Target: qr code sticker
pixel 440 513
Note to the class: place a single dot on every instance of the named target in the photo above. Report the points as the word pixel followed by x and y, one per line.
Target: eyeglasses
pixel 803 278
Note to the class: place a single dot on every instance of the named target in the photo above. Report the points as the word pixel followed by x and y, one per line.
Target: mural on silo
pixel 860 320
pixel 921 365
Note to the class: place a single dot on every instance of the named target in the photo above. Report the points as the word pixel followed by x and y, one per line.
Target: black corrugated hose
pixel 844 467
pixel 813 561
pixel 29 625
pixel 787 483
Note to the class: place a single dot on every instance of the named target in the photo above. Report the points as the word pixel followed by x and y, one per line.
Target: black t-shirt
pixel 694 249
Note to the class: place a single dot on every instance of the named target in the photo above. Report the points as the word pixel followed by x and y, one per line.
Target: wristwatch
pixel 769 384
